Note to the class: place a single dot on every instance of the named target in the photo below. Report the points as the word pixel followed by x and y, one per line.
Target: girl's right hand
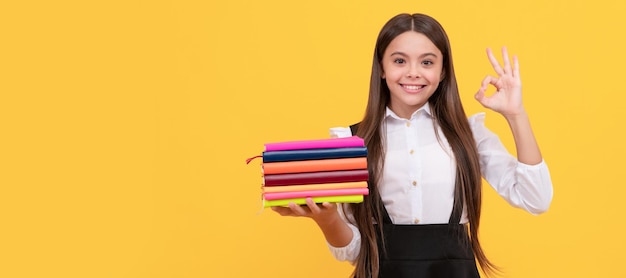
pixel 322 214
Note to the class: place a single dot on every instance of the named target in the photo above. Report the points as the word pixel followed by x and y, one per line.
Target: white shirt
pixel 417 185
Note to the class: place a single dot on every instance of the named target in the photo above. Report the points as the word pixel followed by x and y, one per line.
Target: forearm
pixel 336 231
pixel 525 142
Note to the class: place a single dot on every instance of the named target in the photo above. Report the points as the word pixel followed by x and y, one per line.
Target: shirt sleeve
pixel 340 132
pixel 524 186
pixel 350 251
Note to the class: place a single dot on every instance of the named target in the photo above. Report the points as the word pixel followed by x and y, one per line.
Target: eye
pixel 399 61
pixel 427 62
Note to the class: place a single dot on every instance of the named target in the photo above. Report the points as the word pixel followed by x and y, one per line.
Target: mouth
pixel 412 87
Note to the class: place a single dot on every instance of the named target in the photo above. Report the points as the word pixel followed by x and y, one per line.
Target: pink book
pixel 315 193
pixel 345 142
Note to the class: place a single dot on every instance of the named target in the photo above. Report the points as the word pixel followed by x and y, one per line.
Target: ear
pixel 443 75
pixel 382 75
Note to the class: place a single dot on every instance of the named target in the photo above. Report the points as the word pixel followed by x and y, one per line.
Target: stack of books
pixel 327 170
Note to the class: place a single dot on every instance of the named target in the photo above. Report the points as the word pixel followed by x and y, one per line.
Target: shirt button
pixel 416 221
pixel 411 151
pixel 414 183
pixel 408 124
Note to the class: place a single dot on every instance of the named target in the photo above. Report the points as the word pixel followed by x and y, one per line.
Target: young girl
pixel 426 159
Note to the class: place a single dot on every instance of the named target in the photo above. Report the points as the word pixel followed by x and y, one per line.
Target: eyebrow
pixel 421 56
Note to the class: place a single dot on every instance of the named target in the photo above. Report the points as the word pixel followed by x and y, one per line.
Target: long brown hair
pixel 448 113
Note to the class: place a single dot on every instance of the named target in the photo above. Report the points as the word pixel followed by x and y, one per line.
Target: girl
pixel 426 159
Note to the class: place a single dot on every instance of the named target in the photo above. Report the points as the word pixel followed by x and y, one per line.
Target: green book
pixel 302 201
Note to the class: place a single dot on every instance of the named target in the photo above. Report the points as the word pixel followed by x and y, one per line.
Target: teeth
pixel 413 87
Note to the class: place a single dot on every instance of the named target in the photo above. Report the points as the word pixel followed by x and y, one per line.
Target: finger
pixel 480 95
pixel 494 62
pixel 283 211
pixel 297 210
pixel 313 206
pixel 516 67
pixel 489 80
pixel 327 205
pixel 505 60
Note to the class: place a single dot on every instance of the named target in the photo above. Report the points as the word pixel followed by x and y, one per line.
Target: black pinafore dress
pixel 425 251
pixel 433 250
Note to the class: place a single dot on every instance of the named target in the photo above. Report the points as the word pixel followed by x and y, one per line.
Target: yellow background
pixel 124 127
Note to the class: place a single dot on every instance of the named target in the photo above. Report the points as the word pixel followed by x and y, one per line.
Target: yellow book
pixel 302 201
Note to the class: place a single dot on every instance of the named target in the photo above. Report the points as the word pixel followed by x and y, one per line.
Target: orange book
pixel 315 165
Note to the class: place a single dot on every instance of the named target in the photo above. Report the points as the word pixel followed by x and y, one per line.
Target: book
pixel 316 177
pixel 344 142
pixel 302 201
pixel 315 193
pixel 313 154
pixel 321 186
pixel 314 165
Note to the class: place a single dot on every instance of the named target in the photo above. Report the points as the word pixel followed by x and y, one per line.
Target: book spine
pixel 315 193
pixel 307 166
pixel 316 177
pixel 345 142
pixel 313 154
pixel 302 201
pixel 321 186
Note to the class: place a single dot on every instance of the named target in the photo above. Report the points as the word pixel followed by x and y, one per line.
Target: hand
pixel 507 100
pixel 324 214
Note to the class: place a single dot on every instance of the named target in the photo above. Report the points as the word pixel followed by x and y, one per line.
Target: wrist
pixel 328 221
pixel 516 116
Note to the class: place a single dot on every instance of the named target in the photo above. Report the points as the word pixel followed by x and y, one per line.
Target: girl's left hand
pixel 507 100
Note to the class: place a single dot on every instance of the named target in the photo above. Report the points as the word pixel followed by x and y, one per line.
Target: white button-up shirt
pixel 417 185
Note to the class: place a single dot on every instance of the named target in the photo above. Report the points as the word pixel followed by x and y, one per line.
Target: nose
pixel 413 71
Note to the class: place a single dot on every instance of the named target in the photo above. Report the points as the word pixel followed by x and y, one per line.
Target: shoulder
pixel 477 119
pixel 477 125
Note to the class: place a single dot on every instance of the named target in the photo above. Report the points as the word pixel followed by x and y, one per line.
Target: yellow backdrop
pixel 124 127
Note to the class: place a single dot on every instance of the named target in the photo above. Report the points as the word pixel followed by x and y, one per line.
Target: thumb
pixel 480 97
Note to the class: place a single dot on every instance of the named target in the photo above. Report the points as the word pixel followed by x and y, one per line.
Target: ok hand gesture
pixel 507 100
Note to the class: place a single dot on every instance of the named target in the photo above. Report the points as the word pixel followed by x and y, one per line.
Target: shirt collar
pixel 425 108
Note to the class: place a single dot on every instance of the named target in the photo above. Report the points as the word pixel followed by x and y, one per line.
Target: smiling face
pixel 412 68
